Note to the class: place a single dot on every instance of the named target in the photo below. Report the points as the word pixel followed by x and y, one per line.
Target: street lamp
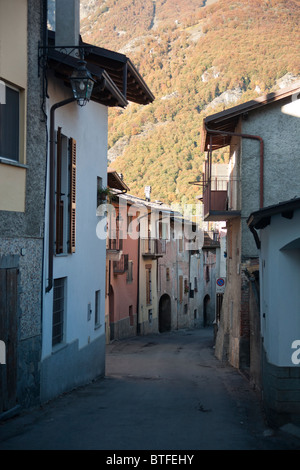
pixel 82 84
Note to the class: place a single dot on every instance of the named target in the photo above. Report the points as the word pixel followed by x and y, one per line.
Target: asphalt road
pixel 163 392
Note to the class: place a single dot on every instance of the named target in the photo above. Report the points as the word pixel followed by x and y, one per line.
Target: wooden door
pixel 8 334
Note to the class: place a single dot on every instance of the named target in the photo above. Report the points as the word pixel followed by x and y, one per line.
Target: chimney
pixel 147 193
pixel 67 23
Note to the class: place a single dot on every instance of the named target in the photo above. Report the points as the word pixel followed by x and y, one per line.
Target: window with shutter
pixel 65 194
pixel 72 195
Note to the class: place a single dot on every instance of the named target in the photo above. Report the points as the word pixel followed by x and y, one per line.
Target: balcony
pixel 114 244
pixel 211 239
pixel 121 266
pixel 151 248
pixel 219 192
pixel 216 205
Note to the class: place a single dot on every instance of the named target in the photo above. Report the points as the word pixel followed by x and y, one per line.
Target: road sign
pixel 220 287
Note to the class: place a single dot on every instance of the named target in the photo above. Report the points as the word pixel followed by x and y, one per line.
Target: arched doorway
pixel 164 313
pixel 206 302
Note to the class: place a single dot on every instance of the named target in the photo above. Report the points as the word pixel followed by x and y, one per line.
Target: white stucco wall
pixel 85 269
pixel 280 293
pixel 279 126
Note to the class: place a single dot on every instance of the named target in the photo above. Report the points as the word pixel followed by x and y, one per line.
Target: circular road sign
pixel 220 282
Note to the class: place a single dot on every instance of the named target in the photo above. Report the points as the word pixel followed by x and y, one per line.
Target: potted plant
pixel 102 195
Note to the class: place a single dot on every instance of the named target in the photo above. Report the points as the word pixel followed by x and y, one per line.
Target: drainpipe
pixel 253 137
pixel 52 189
pixel 138 289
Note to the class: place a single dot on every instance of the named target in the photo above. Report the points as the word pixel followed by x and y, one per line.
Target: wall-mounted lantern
pixel 82 83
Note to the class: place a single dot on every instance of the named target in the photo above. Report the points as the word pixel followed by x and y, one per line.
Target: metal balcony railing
pixel 153 247
pixel 121 266
pixel 211 238
pixel 114 244
pixel 218 196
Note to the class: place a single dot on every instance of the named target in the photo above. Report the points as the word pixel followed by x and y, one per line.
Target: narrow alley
pixel 161 392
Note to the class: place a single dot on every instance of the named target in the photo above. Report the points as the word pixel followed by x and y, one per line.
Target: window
pixel 148 287
pixel 129 223
pixel 131 319
pixel 195 284
pixel 99 187
pixel 115 235
pixel 130 272
pixel 167 274
pixel 207 276
pixel 163 230
pixel 97 308
pixel 10 124
pixel 65 192
pixel 150 316
pixel 58 320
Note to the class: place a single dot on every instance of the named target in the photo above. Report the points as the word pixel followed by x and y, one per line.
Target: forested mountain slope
pixel 197 58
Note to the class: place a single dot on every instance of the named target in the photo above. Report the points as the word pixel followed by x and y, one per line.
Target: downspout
pixel 209 170
pixel 109 292
pixel 138 289
pixel 253 137
pixel 256 237
pixel 52 189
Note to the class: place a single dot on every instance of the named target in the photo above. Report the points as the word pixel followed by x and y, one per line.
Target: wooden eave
pixel 214 140
pixel 114 181
pixel 104 92
pixel 227 120
pixel 122 78
pixel 123 73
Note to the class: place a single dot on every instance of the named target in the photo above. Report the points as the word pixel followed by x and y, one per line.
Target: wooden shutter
pixel 130 271
pixel 125 263
pixel 72 195
pixel 59 203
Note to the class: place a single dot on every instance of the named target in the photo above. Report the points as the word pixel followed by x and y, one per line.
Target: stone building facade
pixel 22 204
pixel 262 137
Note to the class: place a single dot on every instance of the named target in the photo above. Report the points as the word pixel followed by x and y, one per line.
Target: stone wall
pixel 21 234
